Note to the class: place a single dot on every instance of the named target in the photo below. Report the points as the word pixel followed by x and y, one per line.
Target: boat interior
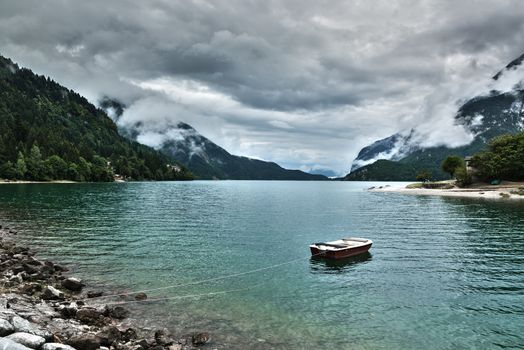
pixel 342 243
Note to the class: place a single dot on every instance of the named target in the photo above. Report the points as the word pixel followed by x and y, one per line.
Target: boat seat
pixel 332 245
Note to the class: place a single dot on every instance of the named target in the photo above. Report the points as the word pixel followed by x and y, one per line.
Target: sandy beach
pixel 504 191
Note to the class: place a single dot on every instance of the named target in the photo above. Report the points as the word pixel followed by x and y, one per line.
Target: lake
pixel 443 273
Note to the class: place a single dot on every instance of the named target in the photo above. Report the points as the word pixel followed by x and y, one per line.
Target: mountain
pixel 483 116
pixel 50 132
pixel 394 147
pixel 206 160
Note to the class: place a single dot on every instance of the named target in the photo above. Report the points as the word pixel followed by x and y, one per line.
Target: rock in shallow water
pixel 140 296
pixel 30 340
pixel 94 294
pixel 74 284
pixel 117 312
pixel 201 338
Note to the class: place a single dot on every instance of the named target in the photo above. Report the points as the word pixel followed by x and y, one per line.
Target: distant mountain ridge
pixel 207 160
pixel 483 116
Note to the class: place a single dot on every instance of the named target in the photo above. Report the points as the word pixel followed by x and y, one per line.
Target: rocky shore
pixel 43 307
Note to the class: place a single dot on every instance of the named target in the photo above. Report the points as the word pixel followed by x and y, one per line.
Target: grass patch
pixel 437 185
pixel 431 185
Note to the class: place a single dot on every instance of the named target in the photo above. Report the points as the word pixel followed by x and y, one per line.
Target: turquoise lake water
pixel 443 273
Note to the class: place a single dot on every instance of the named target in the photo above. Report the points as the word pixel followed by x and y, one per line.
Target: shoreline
pixel 43 307
pixel 16 182
pixel 497 192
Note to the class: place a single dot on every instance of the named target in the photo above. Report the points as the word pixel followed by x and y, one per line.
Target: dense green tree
pixel 73 172
pixel 101 170
pixel 84 169
pixel 424 176
pixel 504 159
pixel 7 171
pixel 451 164
pixel 55 168
pixel 35 164
pixel 463 177
pixel 20 167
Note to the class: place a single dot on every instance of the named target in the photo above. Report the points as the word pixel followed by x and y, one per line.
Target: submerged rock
pixel 117 312
pixel 201 338
pixel 30 340
pixel 140 296
pixel 73 284
pixel 94 294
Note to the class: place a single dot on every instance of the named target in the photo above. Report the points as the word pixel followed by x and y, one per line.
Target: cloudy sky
pixel 302 83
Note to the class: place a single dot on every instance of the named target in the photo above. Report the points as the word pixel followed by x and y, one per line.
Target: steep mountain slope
pixel 484 117
pixel 59 134
pixel 209 161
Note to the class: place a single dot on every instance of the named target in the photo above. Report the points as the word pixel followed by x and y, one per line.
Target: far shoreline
pixel 21 182
pixel 505 191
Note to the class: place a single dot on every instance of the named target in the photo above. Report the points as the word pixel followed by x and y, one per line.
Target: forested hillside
pixel 50 132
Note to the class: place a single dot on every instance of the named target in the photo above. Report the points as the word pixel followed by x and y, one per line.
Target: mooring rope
pixel 213 279
pixel 182 296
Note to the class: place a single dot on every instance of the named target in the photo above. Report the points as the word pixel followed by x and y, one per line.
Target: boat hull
pixel 340 254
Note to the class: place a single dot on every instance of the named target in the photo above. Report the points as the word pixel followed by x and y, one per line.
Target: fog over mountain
pixel 305 84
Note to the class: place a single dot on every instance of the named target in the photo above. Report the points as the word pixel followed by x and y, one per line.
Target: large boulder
pixel 22 325
pixel 74 284
pixel 30 340
pixel 6 327
pixel 8 344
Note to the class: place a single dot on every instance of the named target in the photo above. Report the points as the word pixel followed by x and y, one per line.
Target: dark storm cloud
pixel 299 82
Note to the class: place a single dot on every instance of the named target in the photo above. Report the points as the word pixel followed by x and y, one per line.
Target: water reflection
pixel 321 265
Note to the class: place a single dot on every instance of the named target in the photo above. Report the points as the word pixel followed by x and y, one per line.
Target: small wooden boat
pixel 341 248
